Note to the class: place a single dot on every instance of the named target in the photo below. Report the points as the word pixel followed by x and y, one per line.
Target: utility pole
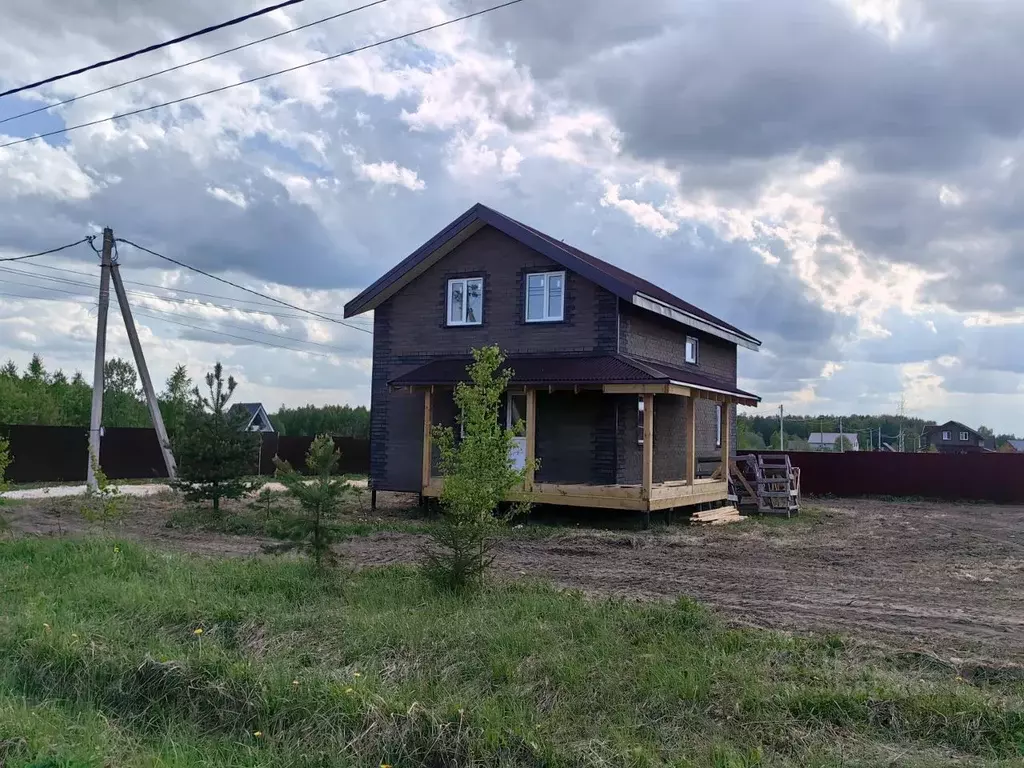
pixel 903 405
pixel 140 364
pixel 96 416
pixel 782 431
pixel 842 440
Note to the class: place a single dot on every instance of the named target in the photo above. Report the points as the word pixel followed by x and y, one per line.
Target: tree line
pixel 38 396
pixel 760 432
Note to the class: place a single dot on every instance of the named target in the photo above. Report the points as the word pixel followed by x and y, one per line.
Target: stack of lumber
pixel 719 516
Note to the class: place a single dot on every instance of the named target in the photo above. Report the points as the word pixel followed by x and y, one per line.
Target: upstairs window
pixel 947 435
pixel 465 301
pixel 965 436
pixel 545 297
pixel 691 350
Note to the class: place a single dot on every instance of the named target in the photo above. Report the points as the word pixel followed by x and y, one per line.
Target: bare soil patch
pixel 946 578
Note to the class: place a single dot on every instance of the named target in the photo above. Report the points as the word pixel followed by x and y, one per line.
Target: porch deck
pixel 667 495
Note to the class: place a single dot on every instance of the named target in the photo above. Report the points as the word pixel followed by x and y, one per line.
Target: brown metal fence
pixel 58 454
pixel 997 477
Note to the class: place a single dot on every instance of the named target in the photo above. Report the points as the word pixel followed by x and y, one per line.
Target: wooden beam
pixel 531 436
pixel 648 464
pixel 726 440
pixel 428 405
pixel 690 429
pixel 645 389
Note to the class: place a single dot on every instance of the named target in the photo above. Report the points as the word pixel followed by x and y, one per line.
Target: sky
pixel 840 178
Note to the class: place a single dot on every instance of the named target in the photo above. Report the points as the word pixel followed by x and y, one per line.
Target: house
pixel 621 384
pixel 827 441
pixel 1012 446
pixel 255 415
pixel 954 437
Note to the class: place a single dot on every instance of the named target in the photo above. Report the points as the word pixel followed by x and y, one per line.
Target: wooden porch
pixel 646 496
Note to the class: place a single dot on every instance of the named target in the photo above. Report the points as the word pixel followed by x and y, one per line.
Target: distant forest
pixel 52 398
pixel 758 432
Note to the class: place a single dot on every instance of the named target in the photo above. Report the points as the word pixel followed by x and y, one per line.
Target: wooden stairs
pixel 766 485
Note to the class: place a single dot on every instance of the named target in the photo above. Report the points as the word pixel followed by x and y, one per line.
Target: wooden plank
pixel 531 436
pixel 597 502
pixel 683 490
pixel 428 404
pixel 690 429
pixel 648 458
pixel 646 389
pixel 701 497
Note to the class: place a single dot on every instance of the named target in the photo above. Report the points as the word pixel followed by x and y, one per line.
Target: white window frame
pixel 692 345
pixel 965 437
pixel 718 425
pixel 465 281
pixel 946 435
pixel 547 297
pixel 640 420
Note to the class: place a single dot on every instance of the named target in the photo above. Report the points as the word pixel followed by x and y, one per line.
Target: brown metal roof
pixel 563 371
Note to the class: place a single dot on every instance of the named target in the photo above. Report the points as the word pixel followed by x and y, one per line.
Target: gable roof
pixel 829 438
pixel 623 284
pixel 254 411
pixel 937 427
pixel 1017 445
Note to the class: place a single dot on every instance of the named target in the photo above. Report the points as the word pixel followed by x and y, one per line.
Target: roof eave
pixel 651 304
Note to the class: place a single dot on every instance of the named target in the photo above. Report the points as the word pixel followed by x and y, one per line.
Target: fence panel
pixel 58 454
pixel 997 477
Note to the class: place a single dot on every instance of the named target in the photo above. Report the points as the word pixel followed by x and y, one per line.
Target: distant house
pixel 256 416
pixel 1012 446
pixel 826 441
pixel 954 437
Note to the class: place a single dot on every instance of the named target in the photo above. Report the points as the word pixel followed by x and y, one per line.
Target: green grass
pixel 102 666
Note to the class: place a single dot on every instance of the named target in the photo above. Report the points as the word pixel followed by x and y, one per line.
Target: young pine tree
pixel 319 498
pixel 214 451
pixel 478 475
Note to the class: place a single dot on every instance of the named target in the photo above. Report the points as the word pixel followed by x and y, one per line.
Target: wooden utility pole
pixel 96 417
pixel 109 270
pixel 140 364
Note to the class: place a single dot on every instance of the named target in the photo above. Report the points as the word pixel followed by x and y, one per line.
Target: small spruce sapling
pixel 319 498
pixel 106 504
pixel 215 452
pixel 478 475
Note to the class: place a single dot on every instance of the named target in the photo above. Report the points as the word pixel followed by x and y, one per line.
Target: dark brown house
pixel 954 437
pixel 621 384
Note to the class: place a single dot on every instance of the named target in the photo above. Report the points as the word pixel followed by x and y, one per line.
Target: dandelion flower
pixel 117 549
pixel 197 631
pixel 385 765
pixel 295 682
pixel 357 674
pixel 258 734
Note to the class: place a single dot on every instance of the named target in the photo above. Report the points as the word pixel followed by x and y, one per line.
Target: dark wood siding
pixel 410 329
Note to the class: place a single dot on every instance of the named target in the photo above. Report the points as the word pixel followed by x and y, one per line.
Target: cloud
pixel 388 174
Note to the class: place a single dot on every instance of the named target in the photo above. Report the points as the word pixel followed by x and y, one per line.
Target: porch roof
pixel 592 370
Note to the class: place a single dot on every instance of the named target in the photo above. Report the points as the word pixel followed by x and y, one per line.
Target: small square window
pixel 691 349
pixel 947 435
pixel 545 297
pixel 465 301
pixel 640 420
pixel 965 436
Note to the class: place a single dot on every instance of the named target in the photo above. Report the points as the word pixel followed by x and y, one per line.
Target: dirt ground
pixel 945 578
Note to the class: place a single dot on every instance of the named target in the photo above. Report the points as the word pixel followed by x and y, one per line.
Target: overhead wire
pixel 258 78
pixel 155 47
pixel 201 59
pixel 46 253
pixel 243 288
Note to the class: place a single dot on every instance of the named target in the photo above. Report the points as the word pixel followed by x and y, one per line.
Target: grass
pixel 103 666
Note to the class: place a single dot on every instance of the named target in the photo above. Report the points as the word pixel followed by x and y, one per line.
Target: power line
pixel 148 295
pixel 44 253
pixel 176 67
pixel 154 47
pixel 243 288
pixel 175 289
pixel 349 52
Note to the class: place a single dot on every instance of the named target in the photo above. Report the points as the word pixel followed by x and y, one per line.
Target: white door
pixel 515 411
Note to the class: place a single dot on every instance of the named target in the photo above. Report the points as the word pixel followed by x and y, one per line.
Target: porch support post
pixel 428 404
pixel 648 464
pixel 689 414
pixel 726 444
pixel 531 436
